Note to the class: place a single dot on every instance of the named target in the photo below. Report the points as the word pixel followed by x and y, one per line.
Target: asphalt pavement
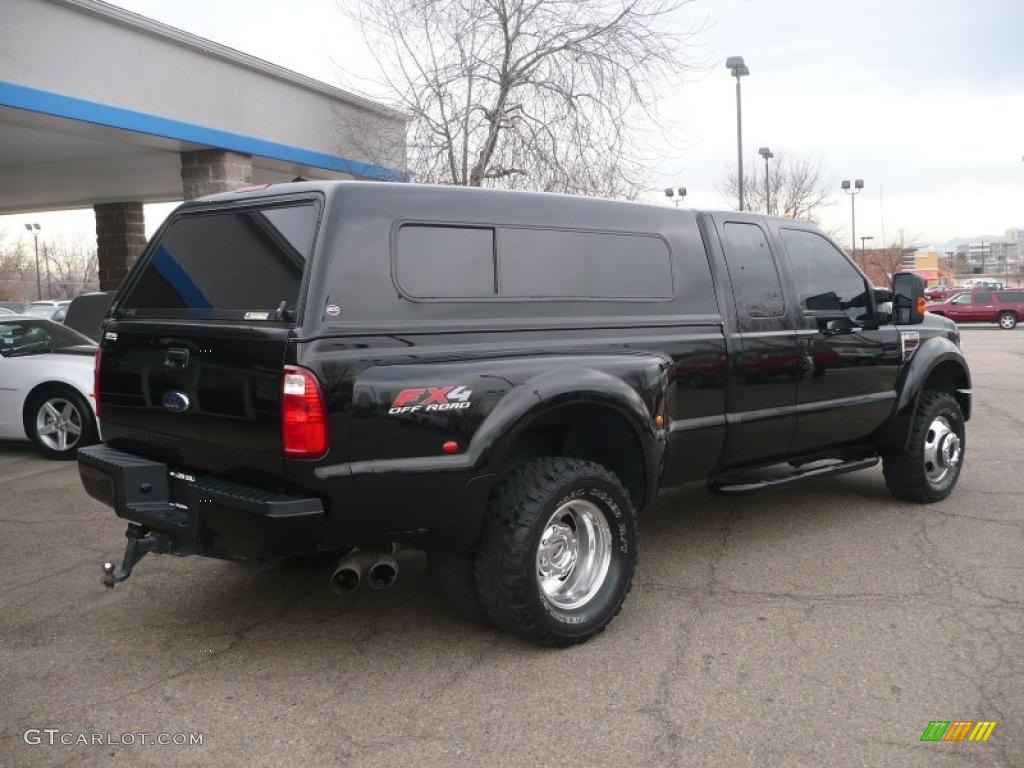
pixel 824 625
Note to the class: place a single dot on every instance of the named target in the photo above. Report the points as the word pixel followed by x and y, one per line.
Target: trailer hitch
pixel 140 541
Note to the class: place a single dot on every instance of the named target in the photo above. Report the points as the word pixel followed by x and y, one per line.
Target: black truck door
pixel 847 386
pixel 761 398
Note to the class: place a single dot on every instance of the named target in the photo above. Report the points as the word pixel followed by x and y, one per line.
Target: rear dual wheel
pixel 557 554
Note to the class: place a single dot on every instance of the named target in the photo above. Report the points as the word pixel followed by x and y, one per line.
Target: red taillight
pixel 303 417
pixel 97 363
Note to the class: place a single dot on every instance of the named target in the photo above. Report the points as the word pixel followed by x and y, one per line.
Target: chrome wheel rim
pixel 1007 321
pixel 942 450
pixel 573 555
pixel 58 424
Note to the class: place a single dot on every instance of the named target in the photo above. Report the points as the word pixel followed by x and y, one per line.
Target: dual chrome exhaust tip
pixel 377 568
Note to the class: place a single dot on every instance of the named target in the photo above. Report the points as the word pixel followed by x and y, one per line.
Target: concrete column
pixel 209 171
pixel 120 238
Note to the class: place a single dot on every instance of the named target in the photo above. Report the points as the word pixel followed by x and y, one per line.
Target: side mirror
pixel 908 299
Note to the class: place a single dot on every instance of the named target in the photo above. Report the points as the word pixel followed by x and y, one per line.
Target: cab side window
pixel 983 297
pixel 755 278
pixel 963 298
pixel 825 280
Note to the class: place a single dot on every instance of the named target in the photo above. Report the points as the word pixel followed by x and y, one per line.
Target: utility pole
pixel 34 229
pixel 49 284
pixel 767 155
pixel 739 69
pixel 852 191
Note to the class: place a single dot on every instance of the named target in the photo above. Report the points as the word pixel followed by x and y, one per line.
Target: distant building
pixel 926 263
pixel 991 255
pixel 1015 243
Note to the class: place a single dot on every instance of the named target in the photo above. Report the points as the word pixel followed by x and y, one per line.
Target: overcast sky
pixel 923 99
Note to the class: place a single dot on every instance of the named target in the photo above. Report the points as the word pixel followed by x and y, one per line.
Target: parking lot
pixel 823 625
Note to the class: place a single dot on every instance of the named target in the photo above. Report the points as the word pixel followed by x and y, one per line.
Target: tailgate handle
pixel 176 358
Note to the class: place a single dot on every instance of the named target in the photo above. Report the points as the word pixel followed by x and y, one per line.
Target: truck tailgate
pixel 201 395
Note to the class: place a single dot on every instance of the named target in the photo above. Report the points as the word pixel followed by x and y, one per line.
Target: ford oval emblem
pixel 175 402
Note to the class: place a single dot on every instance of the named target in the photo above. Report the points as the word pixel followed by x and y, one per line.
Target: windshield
pixel 235 264
pixel 31 337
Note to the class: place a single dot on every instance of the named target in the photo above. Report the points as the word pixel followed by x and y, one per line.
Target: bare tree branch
pixel 798 186
pixel 71 265
pixel 539 94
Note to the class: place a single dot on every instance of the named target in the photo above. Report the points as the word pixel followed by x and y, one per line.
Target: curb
pixel 979 327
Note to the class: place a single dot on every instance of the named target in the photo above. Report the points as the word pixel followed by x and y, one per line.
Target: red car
pixel 1003 307
pixel 938 293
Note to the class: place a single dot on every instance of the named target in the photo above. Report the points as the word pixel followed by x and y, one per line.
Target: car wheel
pixel 1007 321
pixel 929 467
pixel 453 575
pixel 59 422
pixel 558 551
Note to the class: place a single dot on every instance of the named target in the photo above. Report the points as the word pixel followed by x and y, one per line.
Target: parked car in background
pixel 50 310
pixel 982 284
pixel 7 311
pixel 939 292
pixel 85 313
pixel 46 383
pixel 17 307
pixel 1003 307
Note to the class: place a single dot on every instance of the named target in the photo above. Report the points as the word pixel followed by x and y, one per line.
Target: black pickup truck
pixel 501 379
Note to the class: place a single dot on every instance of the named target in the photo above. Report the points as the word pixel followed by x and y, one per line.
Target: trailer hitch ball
pixel 140 541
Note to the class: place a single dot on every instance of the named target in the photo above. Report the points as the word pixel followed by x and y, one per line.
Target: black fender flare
pixel 930 355
pixel 559 388
pixel 491 448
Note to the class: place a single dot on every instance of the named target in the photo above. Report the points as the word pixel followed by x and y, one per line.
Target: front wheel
pixel 929 467
pixel 1007 321
pixel 59 421
pixel 558 551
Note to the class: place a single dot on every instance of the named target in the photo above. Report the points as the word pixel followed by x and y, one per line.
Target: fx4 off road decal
pixel 429 399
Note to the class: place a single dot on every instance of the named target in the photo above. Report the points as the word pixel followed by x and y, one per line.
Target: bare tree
pixel 798 186
pixel 539 94
pixel 880 264
pixel 67 268
pixel 14 270
pixel 73 268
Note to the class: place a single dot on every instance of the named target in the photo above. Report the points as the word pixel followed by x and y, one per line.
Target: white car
pixel 46 383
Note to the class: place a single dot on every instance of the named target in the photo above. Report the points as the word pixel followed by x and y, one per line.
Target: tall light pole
pixel 671 194
pixel 864 239
pixel 858 185
pixel 735 65
pixel 767 155
pixel 34 229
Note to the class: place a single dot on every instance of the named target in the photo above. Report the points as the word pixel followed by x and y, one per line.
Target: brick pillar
pixel 209 171
pixel 120 238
